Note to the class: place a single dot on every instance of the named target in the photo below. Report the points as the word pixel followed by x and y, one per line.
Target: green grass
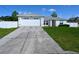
pixel 5 31
pixel 67 38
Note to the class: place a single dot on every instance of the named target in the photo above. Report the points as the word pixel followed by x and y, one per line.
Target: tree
pixel 54 14
pixel 10 18
pixel 74 19
pixel 14 15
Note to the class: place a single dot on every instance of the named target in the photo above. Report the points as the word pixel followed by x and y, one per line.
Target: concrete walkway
pixel 29 40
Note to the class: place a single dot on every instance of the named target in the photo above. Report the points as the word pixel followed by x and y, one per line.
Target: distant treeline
pixel 73 19
pixel 13 17
pixel 8 18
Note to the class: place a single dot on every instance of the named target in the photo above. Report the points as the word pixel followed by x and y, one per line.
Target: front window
pixel 61 22
pixel 45 22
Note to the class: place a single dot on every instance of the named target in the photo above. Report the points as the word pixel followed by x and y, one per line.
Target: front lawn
pixel 5 31
pixel 67 38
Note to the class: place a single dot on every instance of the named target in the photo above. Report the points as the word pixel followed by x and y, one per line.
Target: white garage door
pixel 29 22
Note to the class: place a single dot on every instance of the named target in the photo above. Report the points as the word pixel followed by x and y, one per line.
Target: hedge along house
pixel 39 20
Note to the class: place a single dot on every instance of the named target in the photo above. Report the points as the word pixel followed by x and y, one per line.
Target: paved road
pixel 29 40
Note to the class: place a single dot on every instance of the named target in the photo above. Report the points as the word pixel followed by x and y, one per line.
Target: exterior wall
pixel 50 24
pixel 8 24
pixel 72 24
pixel 30 22
pixel 42 21
pixel 65 22
pixel 57 23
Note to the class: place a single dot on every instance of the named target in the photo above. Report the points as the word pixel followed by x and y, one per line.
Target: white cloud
pixel 44 9
pixel 51 10
pixel 30 12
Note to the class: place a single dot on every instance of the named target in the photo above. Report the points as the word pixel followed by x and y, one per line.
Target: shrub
pixel 64 25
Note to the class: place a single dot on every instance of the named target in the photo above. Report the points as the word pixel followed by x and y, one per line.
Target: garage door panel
pixel 30 22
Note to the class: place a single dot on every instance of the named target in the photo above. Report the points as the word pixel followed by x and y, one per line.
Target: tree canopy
pixel 14 13
pixel 54 14
pixel 74 19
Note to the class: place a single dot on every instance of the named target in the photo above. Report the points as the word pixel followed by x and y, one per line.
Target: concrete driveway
pixel 29 40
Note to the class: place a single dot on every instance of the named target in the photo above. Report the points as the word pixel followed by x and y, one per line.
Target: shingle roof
pixel 29 15
pixel 46 17
pixel 54 18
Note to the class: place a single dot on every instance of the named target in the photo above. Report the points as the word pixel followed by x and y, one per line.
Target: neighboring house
pixel 39 20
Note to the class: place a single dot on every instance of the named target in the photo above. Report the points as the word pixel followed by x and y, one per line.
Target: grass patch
pixel 66 37
pixel 5 31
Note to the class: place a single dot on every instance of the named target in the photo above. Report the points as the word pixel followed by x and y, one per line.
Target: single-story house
pixel 36 20
pixel 39 20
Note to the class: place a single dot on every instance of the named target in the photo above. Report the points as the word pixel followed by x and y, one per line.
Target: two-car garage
pixel 29 22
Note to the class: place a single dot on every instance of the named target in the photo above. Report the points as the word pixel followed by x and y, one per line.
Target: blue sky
pixel 64 11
